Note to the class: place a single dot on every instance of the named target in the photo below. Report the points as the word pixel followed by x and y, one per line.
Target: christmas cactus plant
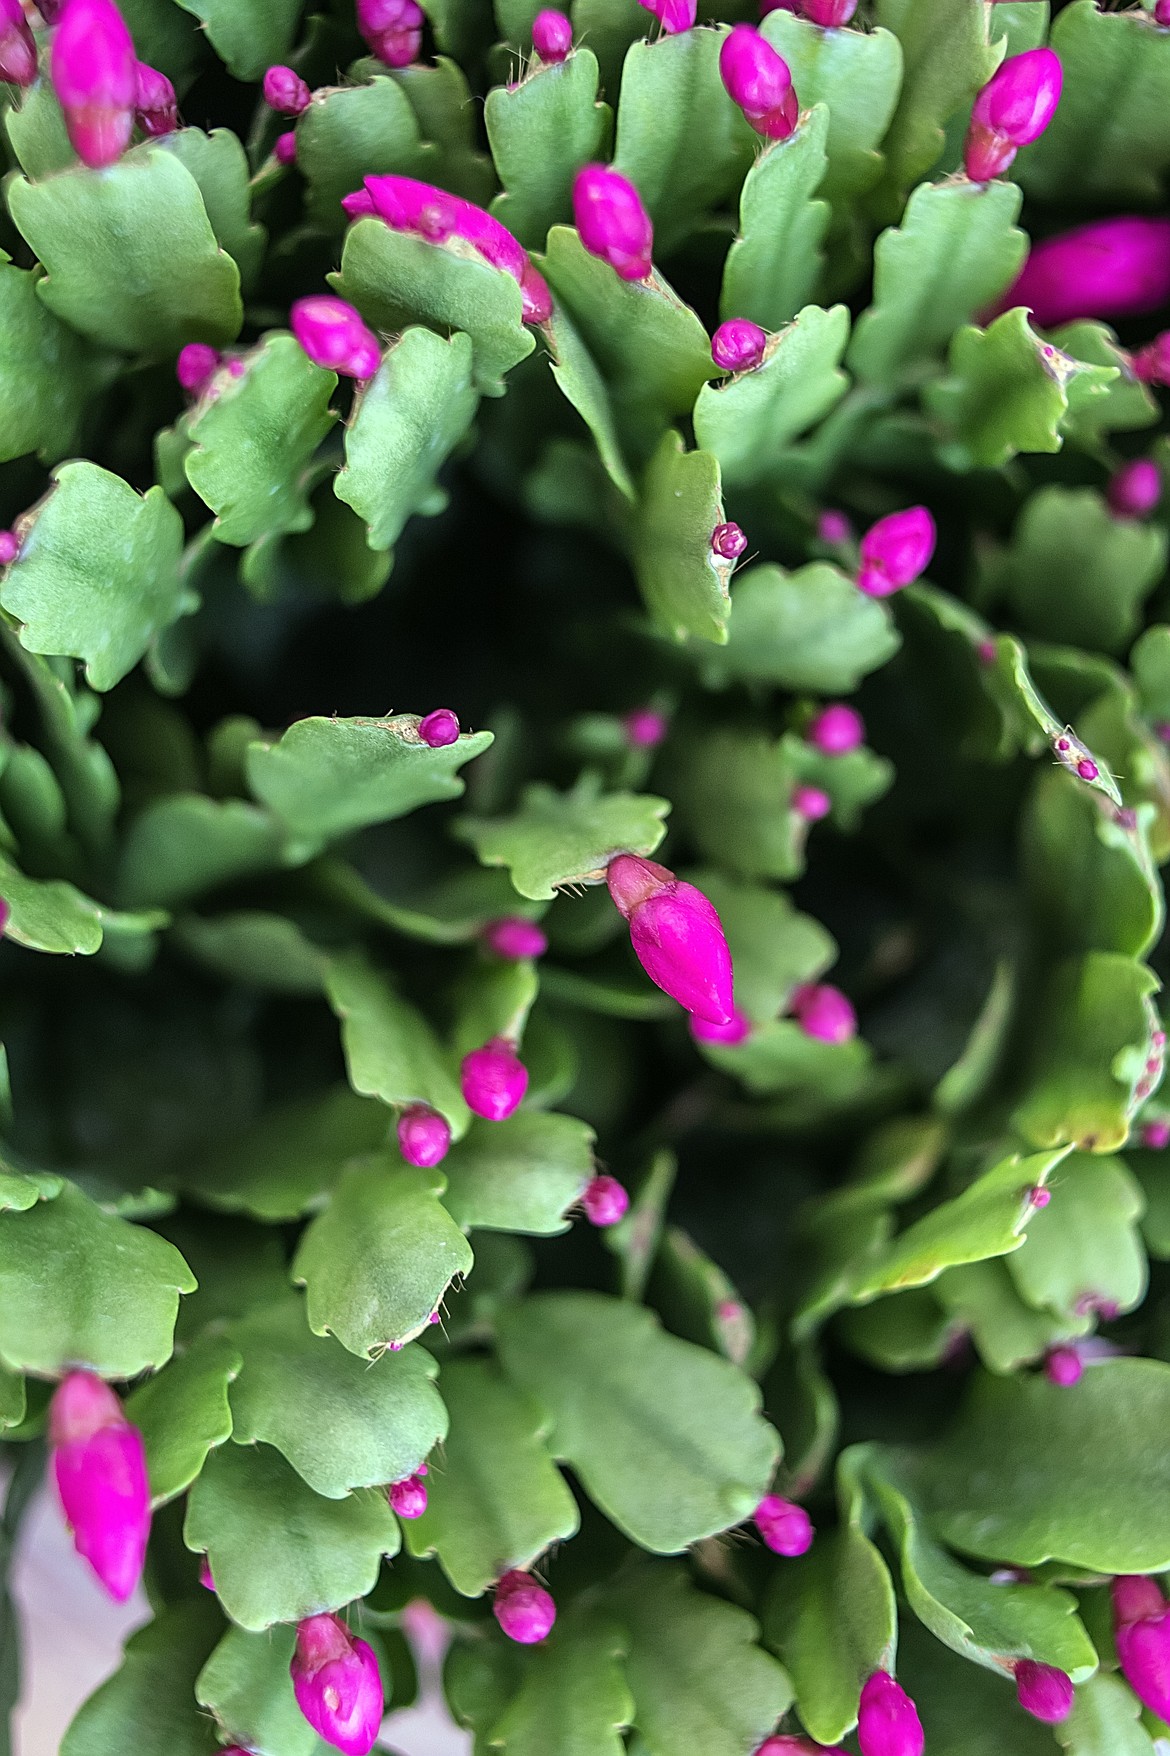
pixel 584 762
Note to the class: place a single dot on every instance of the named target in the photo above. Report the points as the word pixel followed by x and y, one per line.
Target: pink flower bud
pixel 1156 1135
pixel 359 205
pixel 784 1745
pixel 439 728
pixel 834 529
pixel 673 15
pixel 9 547
pixel 524 1610
pixel 494 1080
pixel 156 105
pixel 728 541
pixel 392 28
pixel 829 13
pixel 285 91
pixel 604 1201
pixel 552 35
pixel 1162 12
pixel 1136 489
pixel 738 344
pixel 285 148
pixel 337 1685
pixel 676 934
pixel 888 1722
pixel 1142 1627
pixel 406 205
pixel 895 551
pixel 823 1011
pixel 785 1527
pixel 99 1463
pixel 206 1577
pixel 195 366
pixel 1014 107
pixel 514 937
pixel 760 82
pixel 423 1135
pixel 1043 1691
pixel 18 49
pixel 811 803
pixel 1113 268
pixel 408 1498
pixel 734 1031
pixel 95 75
pixel 645 728
pixel 1063 1366
pixel 612 222
pixel 333 335
pixel 836 730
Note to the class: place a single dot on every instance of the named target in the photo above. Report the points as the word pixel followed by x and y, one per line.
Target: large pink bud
pixel 333 335
pixel 1014 107
pixel 612 222
pixel 895 551
pixel 785 1527
pixel 494 1080
pixel 392 28
pixel 1113 268
pixel 99 1464
pixel 18 49
pixel 888 1722
pixel 524 1610
pixel 95 75
pixel 1043 1691
pixel 829 13
pixel 1142 1626
pixel 759 81
pixel 673 15
pixel 677 936
pixel 824 1012
pixel 423 1135
pixel 337 1685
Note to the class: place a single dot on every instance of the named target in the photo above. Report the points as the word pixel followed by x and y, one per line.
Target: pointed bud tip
pixel 896 551
pixel 736 1030
pixel 1043 1691
pixel 888 1722
pixel 760 81
pixel 824 1012
pixel 337 1684
pixel 612 222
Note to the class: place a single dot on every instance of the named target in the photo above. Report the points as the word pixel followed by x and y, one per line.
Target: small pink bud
pixel 782 1744
pixel 1043 1691
pixel 1063 1367
pixel 99 1463
pixel 836 730
pixel 834 529
pixel 524 1610
pixel 734 1031
pixel 196 365
pixel 612 222
pixel 604 1201
pixel 392 28
pixel 18 49
pixel 676 934
pixel 785 1527
pixel 333 335
pixel 1151 364
pixel 95 75
pixel 285 91
pixel 738 344
pixel 284 149
pixel 423 1135
pixel 673 15
pixel 408 1498
pixel 206 1577
pixel 1156 1135
pixel 439 728
pixel 811 803
pixel 1014 107
pixel 1038 1197
pixel 358 205
pixel 829 13
pixel 1143 1641
pixel 494 1080
pixel 514 937
pixel 823 1012
pixel 645 728
pixel 895 551
pixel 888 1722
pixel 1116 267
pixel 759 81
pixel 1087 768
pixel 1162 12
pixel 9 547
pixel 1135 489
pixel 728 541
pixel 156 105
pixel 337 1685
pixel 552 35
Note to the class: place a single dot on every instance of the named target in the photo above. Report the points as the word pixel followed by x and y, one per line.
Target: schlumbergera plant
pixel 584 736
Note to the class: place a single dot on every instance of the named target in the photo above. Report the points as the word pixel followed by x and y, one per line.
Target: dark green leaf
pixel 559 839
pixel 185 844
pixel 246 1685
pixel 1007 1333
pixel 47 374
pixel 576 372
pixel 856 74
pixel 698 1301
pixel 521 1175
pixel 183 1414
pixel 946 60
pixel 685 584
pixel 573 1700
pixel 149 1704
pixel 390 1050
pixel 773 267
pixel 1105 1721
pixel 348 133
pixel 1084 1250
pixel 811 629
pixel 219 165
pixel 48 914
pixel 248 34
pixel 248 946
pixel 964 1710
pixel 1093 885
pixel 541 132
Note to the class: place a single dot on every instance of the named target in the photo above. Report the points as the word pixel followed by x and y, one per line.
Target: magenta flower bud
pixel 494 1080
pixel 392 28
pixel 836 730
pixel 9 547
pixel 1143 1642
pixel 1162 12
pixel 358 205
pixel 439 728
pixel 1113 268
pixel 829 13
pixel 1063 1367
pixel 524 1610
pixel 676 934
pixel 1043 1691
pixel 1136 489
pixel 834 529
pixel 887 1721
pixel 423 1135
pixel 728 541
pixel 738 344
pixel 195 366
pixel 673 15
pixel 1014 107
pixel 18 49
pixel 824 1012
pixel 285 91
pixel 156 105
pixel 645 728
pixel 811 803
pixel 759 81
pixel 514 937
pixel 337 1685
pixel 785 1527
pixel 206 1577
pixel 895 551
pixel 612 222
pixel 333 335
pixel 99 1464
pixel 408 1498
pixel 407 205
pixel 734 1031
pixel 285 148
pixel 1136 1598
pixel 552 35
pixel 1156 1135
pixel 95 75
pixel 604 1201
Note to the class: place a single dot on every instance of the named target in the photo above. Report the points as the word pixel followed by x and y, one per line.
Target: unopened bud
pixel 785 1527
pixel 824 1012
pixel 284 148
pixel 676 934
pixel 738 344
pixel 895 551
pixel 760 82
pixel 392 29
pixel 612 222
pixel 552 35
pixel 829 14
pixel 811 803
pixel 836 730
pixel 1155 1135
pixel 494 1080
pixel 1136 489
pixel 1116 267
pixel 645 728
pixel 1013 109
pixel 156 105
pixel 605 1201
pixel 887 1721
pixel 337 1684
pixel 423 1136
pixel 408 1498
pixel 1043 1691
pixel 333 335
pixel 438 728
pixel 1142 1630
pixel 524 1610
pixel 728 542
pixel 18 49
pixel 1063 1367
pixel 95 76
pixel 834 529
pixel 734 1031
pixel 285 91
pixel 196 366
pixel 9 547
pixel 99 1464
pixel 673 15
pixel 515 937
